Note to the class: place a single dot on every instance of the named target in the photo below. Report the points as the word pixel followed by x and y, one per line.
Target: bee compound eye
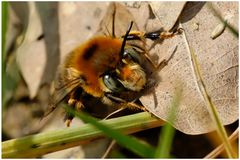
pixel 132 54
pixel 112 83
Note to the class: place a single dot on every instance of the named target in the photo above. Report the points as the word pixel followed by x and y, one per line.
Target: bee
pixel 108 70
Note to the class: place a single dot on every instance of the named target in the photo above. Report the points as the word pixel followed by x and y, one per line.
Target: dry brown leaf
pixel 140 12
pixel 122 21
pixel 179 68
pixel 31 54
pixel 218 58
pixel 13 29
pixel 218 61
pixel 36 57
pixel 78 21
pixel 53 30
pixel 167 12
pixel 48 13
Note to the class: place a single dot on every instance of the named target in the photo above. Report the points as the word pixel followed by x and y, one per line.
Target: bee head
pixel 128 75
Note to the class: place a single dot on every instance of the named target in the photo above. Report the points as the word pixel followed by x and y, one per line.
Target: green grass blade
pixel 212 109
pixel 168 131
pixel 210 106
pixel 4 30
pixel 4 27
pixel 131 143
pixel 43 143
pixel 116 154
pixel 165 142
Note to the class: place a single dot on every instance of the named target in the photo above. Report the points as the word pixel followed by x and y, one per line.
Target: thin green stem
pixel 213 111
pixel 211 108
pixel 167 133
pixel 129 142
pixel 43 143
pixel 4 30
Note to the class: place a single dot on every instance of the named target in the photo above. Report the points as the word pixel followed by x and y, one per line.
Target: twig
pixel 220 148
pixel 113 142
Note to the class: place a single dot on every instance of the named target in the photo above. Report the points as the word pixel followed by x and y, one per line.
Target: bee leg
pixel 114 112
pixel 164 62
pixel 133 106
pixel 130 105
pixel 75 104
pixel 156 35
pixel 124 104
pixel 79 106
pixel 71 101
pixel 160 34
pixel 135 35
pixel 68 120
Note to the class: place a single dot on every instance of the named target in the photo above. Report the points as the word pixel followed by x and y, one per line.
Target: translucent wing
pixel 71 81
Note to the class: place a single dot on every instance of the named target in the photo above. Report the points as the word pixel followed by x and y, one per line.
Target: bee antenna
pixel 125 37
pixel 113 21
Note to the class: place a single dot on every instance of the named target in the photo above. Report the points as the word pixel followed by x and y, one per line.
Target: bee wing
pixel 72 81
pixel 59 96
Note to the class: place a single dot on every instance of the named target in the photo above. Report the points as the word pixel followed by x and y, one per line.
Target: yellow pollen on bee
pixel 124 61
pixel 126 72
pixel 117 71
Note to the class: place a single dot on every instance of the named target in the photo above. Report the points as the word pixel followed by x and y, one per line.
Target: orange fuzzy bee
pixel 106 69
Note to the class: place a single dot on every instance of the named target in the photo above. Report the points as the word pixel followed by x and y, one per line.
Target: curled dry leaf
pixel 13 26
pixel 48 26
pixel 31 54
pixel 218 30
pixel 48 13
pixel 218 62
pixel 37 56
